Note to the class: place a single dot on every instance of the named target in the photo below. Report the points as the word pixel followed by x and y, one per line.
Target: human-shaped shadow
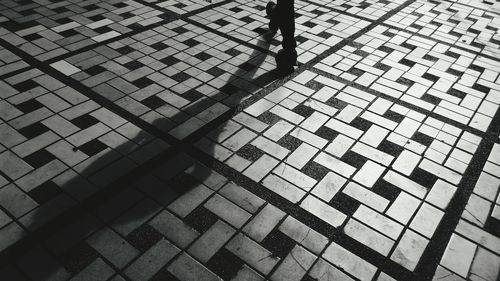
pixel 42 230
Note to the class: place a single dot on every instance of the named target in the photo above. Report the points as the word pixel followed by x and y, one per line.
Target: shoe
pixel 273 25
pixel 286 60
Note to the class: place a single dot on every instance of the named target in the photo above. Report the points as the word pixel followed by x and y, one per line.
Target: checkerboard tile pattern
pixel 317 28
pixel 57 147
pixel 46 29
pixel 177 76
pixel 444 79
pixel 464 26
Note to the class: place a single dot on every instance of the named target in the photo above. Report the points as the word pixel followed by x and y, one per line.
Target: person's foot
pixel 286 60
pixel 273 25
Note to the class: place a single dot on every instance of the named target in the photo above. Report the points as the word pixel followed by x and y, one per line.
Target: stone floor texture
pixel 154 140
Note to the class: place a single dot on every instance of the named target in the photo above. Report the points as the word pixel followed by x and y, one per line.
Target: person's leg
pixel 286 14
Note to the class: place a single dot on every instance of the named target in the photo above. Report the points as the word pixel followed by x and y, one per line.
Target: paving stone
pixel 152 261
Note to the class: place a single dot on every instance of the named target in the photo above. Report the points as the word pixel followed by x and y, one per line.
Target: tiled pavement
pixel 153 140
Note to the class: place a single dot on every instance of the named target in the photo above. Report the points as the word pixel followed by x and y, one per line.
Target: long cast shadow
pixel 172 190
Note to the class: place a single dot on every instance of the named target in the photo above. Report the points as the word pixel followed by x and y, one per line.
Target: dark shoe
pixel 273 24
pixel 286 60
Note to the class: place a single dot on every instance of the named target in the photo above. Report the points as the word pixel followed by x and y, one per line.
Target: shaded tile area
pixel 58 147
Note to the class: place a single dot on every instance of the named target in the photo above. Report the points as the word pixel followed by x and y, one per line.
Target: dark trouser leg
pixel 286 13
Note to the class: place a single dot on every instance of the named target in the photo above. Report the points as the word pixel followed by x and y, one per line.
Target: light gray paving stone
pixel 479 236
pixel 284 188
pixel 487 186
pixel 374 136
pixel 378 221
pixel 174 229
pixel 11 234
pixel 239 139
pixel 485 266
pixel 406 162
pixel 278 130
pixel 340 145
pixel 270 147
pixel 250 122
pixel 329 186
pixel 207 176
pixel 385 277
pixel 113 247
pixel 211 241
pixel 41 175
pixel 252 253
pixel 406 184
pixel 184 267
pixel 35 144
pixel 324 271
pixel 426 220
pixel 304 235
pixel 323 211
pixel 241 197
pixel 9 136
pixel 295 265
pixel 228 211
pixel 366 196
pixel 151 261
pixel 368 237
pixel 187 202
pixel 369 173
pixel 409 249
pixel 261 167
pixel 287 114
pixel 349 262
pixel 8 111
pixel 294 176
pixel 349 112
pixel 15 201
pixel 446 275
pixel 309 138
pixel 334 164
pixel 13 166
pixel 97 270
pixel 264 222
pixel 301 155
pixel 373 154
pixel 477 209
pixel 440 171
pixel 458 247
